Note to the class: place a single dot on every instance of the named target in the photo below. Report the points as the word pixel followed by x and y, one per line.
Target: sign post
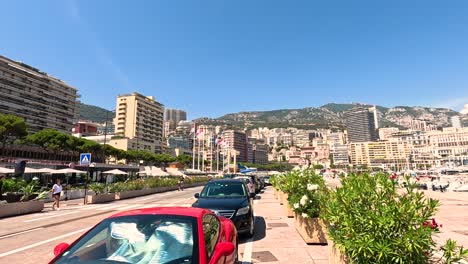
pixel 85 159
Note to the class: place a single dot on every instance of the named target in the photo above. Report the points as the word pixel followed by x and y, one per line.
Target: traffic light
pixel 19 167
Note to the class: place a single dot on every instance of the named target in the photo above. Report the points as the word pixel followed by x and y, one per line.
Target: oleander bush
pixel 97 188
pixel 371 221
pixel 305 191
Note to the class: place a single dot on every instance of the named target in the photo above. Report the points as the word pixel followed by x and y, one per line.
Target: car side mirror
pixel 197 195
pixel 252 195
pixel 223 249
pixel 60 248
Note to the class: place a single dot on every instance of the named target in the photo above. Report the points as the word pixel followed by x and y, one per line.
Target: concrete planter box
pixel 12 209
pixel 100 198
pixel 284 198
pixel 287 210
pixel 334 254
pixel 312 230
pixel 131 194
pixel 69 194
pixel 281 197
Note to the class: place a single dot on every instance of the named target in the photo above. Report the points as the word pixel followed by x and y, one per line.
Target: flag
pixel 192 130
pixel 199 133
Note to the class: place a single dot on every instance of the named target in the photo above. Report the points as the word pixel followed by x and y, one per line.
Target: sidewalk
pixel 277 241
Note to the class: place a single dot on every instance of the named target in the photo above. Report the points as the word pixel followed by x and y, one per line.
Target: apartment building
pixel 361 124
pixel 383 154
pixel 387 132
pixel 139 119
pixel 236 142
pixel 172 117
pixel 40 99
pixel 449 142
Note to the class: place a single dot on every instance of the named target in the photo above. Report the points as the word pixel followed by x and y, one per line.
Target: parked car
pixel 248 181
pixel 155 235
pixel 256 182
pixel 229 198
pixel 266 180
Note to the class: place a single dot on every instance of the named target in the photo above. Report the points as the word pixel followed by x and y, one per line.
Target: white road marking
pixel 42 242
pixel 110 207
pixel 50 216
pixel 24 232
pixel 150 205
pixel 130 206
pixel 247 257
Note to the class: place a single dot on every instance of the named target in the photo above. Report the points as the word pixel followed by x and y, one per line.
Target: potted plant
pixel 99 195
pixel 371 221
pixel 305 191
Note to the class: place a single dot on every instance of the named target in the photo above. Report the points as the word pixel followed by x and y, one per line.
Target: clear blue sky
pixel 215 57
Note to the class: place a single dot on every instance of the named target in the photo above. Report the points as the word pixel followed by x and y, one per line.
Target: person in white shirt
pixel 56 191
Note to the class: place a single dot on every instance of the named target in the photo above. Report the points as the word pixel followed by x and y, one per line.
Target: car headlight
pixel 243 210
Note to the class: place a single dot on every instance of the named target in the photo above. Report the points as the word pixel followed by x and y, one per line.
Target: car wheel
pixel 252 229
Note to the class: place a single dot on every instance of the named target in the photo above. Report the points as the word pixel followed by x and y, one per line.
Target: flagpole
pixel 217 157
pixel 193 147
pixel 211 153
pixel 203 153
pixel 198 151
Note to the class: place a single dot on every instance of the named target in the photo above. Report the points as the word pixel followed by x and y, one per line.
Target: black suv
pixel 231 199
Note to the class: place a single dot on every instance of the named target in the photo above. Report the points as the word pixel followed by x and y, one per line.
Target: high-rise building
pixel 173 117
pixel 236 141
pixel 139 118
pixel 360 123
pixel 40 99
pixel 455 121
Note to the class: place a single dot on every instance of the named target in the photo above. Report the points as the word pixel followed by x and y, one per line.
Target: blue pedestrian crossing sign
pixel 85 158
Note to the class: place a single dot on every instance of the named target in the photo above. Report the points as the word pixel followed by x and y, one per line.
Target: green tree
pixel 185 159
pixel 318 166
pixel 11 128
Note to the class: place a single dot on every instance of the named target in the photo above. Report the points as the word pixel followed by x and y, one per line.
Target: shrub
pixel 370 222
pixel 13 185
pixel 97 188
pixel 305 190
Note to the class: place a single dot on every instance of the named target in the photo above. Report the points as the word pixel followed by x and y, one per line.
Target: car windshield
pixel 223 190
pixel 246 180
pixel 138 239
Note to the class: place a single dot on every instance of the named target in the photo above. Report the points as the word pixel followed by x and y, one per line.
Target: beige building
pixel 386 132
pixel 139 119
pixel 42 100
pixel 387 154
pixel 449 142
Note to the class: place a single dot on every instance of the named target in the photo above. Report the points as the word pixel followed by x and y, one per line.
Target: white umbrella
pixel 33 170
pixel 116 172
pixel 6 170
pixel 64 171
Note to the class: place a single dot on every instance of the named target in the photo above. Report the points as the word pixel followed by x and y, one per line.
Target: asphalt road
pixel 31 238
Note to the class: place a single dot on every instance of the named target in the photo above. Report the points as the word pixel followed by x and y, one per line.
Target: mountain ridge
pixel 330 116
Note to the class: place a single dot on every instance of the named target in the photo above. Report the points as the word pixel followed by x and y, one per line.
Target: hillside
pixel 94 113
pixel 330 116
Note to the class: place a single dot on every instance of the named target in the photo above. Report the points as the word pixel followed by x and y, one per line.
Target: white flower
pixel 304 200
pixel 304 215
pixel 312 187
pixel 296 205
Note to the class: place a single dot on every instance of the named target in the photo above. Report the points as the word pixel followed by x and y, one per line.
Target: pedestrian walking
pixel 56 190
pixel 181 183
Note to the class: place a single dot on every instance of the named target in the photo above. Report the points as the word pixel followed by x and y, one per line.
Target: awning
pixel 65 171
pixel 6 170
pixel 153 171
pixel 115 172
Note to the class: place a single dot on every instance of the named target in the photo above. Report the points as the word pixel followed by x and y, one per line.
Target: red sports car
pixel 168 235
